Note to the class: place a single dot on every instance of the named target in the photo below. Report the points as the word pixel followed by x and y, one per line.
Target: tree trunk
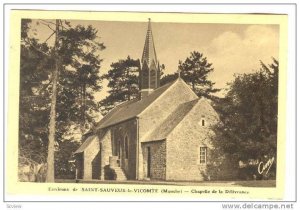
pixel 50 157
pixel 83 106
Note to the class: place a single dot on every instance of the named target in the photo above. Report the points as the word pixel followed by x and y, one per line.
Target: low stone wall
pixel 90 153
pixel 158 159
pixel 106 152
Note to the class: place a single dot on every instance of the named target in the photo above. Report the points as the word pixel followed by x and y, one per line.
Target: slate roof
pixel 132 108
pixel 85 144
pixel 167 126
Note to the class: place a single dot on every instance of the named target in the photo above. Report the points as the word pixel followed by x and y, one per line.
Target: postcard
pixel 175 106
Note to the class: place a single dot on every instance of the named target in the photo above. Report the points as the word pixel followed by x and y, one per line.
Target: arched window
pixel 202 122
pixel 126 147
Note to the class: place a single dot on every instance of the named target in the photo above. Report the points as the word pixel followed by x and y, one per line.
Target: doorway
pixel 79 166
pixel 119 153
pixel 148 162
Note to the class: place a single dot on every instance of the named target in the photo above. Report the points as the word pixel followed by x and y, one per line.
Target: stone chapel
pixel 164 134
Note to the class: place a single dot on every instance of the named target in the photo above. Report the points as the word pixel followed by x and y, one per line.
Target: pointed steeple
pixel 149 53
pixel 150 68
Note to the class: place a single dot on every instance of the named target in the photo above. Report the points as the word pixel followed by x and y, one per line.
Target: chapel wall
pixel 158 159
pixel 118 134
pixel 183 144
pixel 159 110
pixel 89 155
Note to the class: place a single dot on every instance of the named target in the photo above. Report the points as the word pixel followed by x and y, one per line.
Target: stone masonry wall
pixel 178 93
pixel 183 144
pixel 119 132
pixel 106 151
pixel 89 155
pixel 160 109
pixel 158 159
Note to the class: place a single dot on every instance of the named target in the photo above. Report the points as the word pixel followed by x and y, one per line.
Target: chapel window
pixel 203 155
pixel 202 121
pixel 126 147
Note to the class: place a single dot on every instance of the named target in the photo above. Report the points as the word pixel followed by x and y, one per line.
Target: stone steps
pixel 120 174
pixel 113 164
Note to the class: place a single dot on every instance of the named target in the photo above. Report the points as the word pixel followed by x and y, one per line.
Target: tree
pixel 80 53
pixel 194 71
pixel 35 69
pixel 63 168
pixel 52 123
pixel 168 78
pixel 77 52
pixel 248 114
pixel 123 81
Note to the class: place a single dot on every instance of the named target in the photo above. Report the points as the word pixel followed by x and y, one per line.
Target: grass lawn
pixel 252 183
pixel 257 183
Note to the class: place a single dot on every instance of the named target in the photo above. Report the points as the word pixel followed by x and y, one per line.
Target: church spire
pixel 150 68
pixel 149 53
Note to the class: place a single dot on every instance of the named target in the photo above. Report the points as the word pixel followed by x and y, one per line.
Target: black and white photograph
pixel 161 105
pixel 148 102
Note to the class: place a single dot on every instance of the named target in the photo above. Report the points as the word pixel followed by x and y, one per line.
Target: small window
pixel 202 122
pixel 203 155
pixel 126 147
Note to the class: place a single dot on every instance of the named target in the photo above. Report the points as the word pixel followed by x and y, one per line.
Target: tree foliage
pixel 248 114
pixel 123 81
pixel 80 77
pixel 168 78
pixel 79 51
pixel 34 98
pixel 64 168
pixel 194 71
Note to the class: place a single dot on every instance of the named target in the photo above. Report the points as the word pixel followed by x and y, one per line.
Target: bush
pixel 249 173
pixel 109 173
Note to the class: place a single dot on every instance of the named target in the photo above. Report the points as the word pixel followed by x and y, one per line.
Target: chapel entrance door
pixel 120 153
pixel 79 166
pixel 148 162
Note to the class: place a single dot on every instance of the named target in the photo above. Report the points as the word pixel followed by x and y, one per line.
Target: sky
pixel 231 48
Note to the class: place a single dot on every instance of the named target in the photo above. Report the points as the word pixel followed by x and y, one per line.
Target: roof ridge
pixel 107 117
pixel 186 114
pixel 85 144
pixel 133 108
pixel 170 85
pixel 181 117
pixel 197 99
